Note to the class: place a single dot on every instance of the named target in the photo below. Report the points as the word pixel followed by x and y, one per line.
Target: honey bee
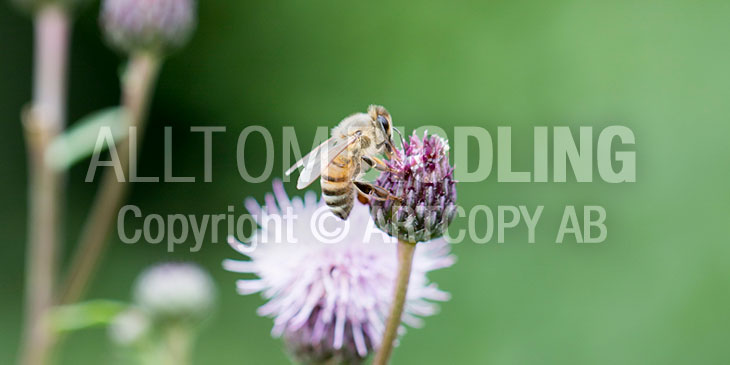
pixel 339 161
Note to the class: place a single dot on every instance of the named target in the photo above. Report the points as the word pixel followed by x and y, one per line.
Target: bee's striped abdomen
pixel 337 188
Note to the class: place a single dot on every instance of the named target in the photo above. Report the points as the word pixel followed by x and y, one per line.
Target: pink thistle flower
pixel 423 180
pixel 329 300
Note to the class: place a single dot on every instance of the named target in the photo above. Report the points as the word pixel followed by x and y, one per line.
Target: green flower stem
pixel 177 345
pixel 43 121
pixel 405 262
pixel 137 89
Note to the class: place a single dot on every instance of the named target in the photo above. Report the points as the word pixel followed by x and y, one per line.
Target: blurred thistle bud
pixel 174 291
pixel 129 327
pixel 153 25
pixel 422 179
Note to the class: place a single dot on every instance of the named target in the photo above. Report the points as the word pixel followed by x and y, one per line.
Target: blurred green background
pixel 656 291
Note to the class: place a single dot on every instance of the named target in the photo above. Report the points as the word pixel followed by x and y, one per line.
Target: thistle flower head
pixel 175 291
pixel 422 179
pixel 330 300
pixel 129 327
pixel 157 25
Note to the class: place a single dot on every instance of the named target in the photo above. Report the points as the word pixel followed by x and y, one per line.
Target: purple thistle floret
pixel 155 25
pixel 423 180
pixel 330 300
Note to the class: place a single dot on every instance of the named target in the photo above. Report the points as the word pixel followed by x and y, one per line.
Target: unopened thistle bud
pixel 155 25
pixel 422 180
pixel 128 327
pixel 175 291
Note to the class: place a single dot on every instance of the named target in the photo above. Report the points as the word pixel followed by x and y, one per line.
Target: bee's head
pixel 384 123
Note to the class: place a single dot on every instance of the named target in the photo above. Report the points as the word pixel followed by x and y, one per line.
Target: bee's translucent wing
pixel 316 161
pixel 313 153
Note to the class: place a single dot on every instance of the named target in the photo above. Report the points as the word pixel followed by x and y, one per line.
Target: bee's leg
pixel 377 163
pixel 373 191
pixel 362 198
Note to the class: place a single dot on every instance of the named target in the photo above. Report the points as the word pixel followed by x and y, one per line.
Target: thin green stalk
pixel 405 263
pixel 137 89
pixel 43 121
pixel 177 345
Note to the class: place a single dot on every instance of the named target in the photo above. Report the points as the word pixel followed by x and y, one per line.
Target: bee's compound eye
pixel 383 122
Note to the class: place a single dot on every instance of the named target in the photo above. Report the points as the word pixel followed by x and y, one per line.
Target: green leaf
pixel 79 140
pixel 87 314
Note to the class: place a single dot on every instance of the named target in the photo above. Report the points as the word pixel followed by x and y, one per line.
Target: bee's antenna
pixel 402 140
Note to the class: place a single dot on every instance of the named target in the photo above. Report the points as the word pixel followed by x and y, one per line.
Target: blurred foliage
pixel 81 139
pixel 654 292
pixel 87 314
